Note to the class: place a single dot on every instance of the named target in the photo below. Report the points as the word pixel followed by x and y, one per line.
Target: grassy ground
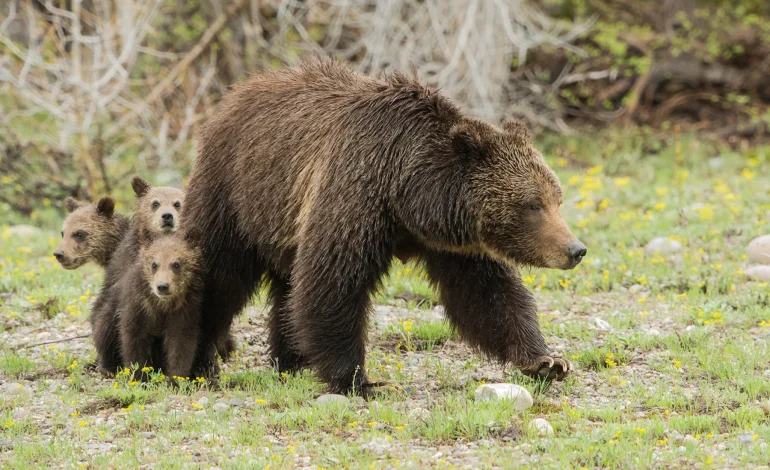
pixel 671 352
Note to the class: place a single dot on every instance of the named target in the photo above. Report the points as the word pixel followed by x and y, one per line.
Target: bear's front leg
pixel 493 311
pixel 342 255
pixel 283 351
pixel 179 344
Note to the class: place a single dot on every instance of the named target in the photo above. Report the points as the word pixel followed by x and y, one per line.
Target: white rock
pixel 203 401
pixel 419 413
pixel 332 398
pixel 220 406
pixel 653 332
pixel 23 230
pixel 662 246
pixel 758 273
pixel 601 324
pixel 689 439
pixel 520 396
pixel 541 427
pixel 758 250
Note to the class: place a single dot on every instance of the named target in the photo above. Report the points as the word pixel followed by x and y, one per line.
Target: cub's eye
pixel 177 205
pixel 62 234
pixel 535 207
pixel 154 266
pixel 79 235
pixel 155 204
pixel 175 265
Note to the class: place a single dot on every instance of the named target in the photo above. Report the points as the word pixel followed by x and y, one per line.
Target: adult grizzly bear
pixel 315 177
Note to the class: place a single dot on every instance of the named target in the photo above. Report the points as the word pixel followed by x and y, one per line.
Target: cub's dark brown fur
pixel 158 303
pixel 91 232
pixel 157 210
pixel 314 178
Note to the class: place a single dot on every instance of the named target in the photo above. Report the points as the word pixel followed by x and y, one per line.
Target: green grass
pixel 685 353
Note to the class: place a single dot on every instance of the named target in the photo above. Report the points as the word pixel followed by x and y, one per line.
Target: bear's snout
pixel 575 252
pixel 163 288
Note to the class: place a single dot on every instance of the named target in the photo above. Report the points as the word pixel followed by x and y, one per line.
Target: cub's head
pixel 170 264
pixel 88 233
pixel 516 196
pixel 157 209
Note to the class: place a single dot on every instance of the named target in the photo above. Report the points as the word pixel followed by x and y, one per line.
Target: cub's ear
pixel 146 237
pixel 518 129
pixel 141 187
pixel 71 204
pixel 105 207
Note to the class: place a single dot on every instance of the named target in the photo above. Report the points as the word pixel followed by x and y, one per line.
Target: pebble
pixel 520 395
pixel 15 388
pixel 682 449
pixel 419 413
pixel 758 251
pixel 332 398
pixel 541 427
pixel 147 434
pixel 601 324
pixel 5 446
pixel 220 406
pixel 24 230
pixel 203 401
pixel 746 438
pixel 236 402
pixel 662 246
pixel 378 445
pixel 689 439
pixel 758 273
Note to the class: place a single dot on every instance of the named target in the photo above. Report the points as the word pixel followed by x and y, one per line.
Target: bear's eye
pixel 62 234
pixel 177 205
pixel 79 235
pixel 154 266
pixel 535 207
pixel 155 204
pixel 176 265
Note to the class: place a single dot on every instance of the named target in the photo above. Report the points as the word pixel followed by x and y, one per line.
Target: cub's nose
pixel 59 255
pixel 162 287
pixel 167 217
pixel 576 251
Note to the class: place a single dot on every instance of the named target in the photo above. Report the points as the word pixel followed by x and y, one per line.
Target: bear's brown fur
pixel 158 303
pixel 315 177
pixel 91 232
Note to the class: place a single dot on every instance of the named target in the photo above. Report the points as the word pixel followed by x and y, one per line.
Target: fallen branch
pixel 53 342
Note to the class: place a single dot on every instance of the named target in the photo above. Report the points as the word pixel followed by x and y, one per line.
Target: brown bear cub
pixel 314 178
pixel 158 305
pixel 156 211
pixel 91 232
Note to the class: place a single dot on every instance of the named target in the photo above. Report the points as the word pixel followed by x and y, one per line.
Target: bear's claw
pixel 548 368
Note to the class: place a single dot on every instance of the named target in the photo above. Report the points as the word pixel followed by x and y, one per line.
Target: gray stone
pixel 220 406
pixel 236 402
pixel 601 324
pixel 746 438
pixel 689 439
pixel 5 446
pixel 332 398
pixel 540 426
pixel 147 434
pixel 203 401
pixel 758 251
pixel 758 273
pixel 662 246
pixel 520 395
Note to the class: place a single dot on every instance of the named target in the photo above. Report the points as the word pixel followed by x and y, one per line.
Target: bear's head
pixel 157 208
pixel 516 196
pixel 170 264
pixel 87 234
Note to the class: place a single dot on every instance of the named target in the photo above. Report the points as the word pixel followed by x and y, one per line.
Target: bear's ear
pixel 466 139
pixel 105 207
pixel 141 187
pixel 71 204
pixel 518 129
pixel 146 237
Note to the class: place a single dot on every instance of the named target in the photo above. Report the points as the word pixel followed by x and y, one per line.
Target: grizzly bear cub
pixel 157 211
pixel 158 304
pixel 314 178
pixel 91 232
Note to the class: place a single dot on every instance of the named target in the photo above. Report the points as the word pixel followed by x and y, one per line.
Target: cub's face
pixel 84 232
pixel 170 266
pixel 518 197
pixel 157 208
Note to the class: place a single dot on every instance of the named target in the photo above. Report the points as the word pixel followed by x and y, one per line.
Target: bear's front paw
pixel 548 368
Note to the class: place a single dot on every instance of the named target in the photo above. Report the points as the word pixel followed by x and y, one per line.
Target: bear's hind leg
pixel 487 302
pixel 283 351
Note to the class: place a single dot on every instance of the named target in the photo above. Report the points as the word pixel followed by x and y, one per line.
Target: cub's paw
pixel 548 368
